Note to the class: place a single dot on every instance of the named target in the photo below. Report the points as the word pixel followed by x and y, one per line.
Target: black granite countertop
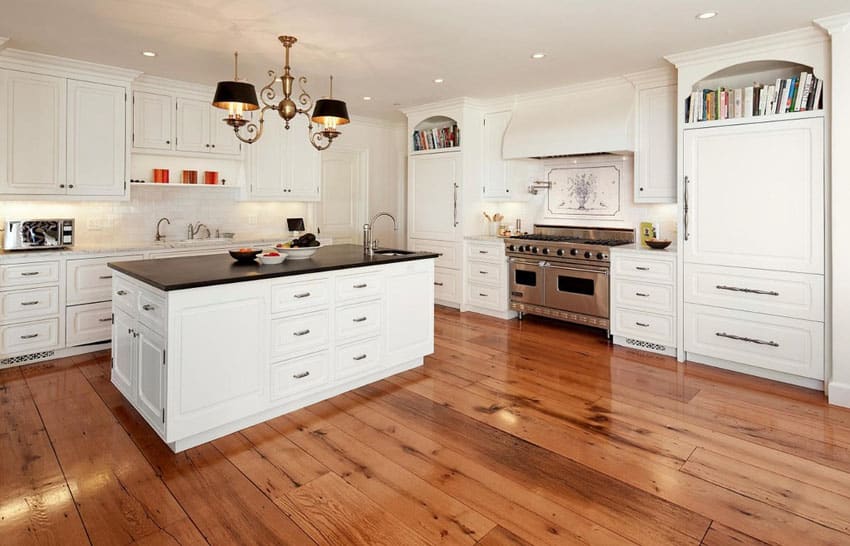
pixel 196 271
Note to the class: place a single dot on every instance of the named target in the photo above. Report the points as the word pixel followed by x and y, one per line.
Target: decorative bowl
pixel 658 244
pixel 271 260
pixel 244 256
pixel 298 253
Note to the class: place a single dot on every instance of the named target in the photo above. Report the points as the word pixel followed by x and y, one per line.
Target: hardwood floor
pixel 512 433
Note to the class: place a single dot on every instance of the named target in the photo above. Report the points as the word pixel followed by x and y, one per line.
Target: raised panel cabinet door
pixel 124 354
pixel 409 311
pixel 434 196
pixel 495 168
pixel 193 126
pixel 655 158
pixel 150 378
pixel 222 138
pixel 152 121
pixel 90 323
pixel 305 164
pixel 35 117
pixel 756 195
pixel 268 169
pixel 96 138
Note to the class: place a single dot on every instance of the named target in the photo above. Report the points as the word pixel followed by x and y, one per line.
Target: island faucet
pixel 191 231
pixel 159 236
pixel 368 244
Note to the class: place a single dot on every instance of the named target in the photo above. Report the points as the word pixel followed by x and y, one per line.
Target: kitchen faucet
pixel 194 230
pixel 159 236
pixel 368 244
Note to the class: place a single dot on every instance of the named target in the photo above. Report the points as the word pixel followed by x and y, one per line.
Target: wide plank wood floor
pixel 513 432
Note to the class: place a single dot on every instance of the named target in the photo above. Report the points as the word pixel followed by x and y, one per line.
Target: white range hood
pixel 599 120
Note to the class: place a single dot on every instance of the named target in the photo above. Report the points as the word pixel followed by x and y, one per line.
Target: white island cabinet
pixel 201 362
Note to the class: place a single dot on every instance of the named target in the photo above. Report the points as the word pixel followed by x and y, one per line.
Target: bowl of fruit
pixel 299 249
pixel 271 257
pixel 244 255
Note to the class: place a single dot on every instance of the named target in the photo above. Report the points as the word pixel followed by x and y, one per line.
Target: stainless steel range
pixel 563 272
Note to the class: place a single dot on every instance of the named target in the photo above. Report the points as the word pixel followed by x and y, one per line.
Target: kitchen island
pixel 204 346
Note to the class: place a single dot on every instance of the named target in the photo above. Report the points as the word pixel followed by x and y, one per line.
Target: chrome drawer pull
pixel 104 277
pixel 359 357
pixel 29 273
pixel 364 285
pixel 301 375
pixel 107 319
pixel 29 302
pixel 747 339
pixel 483 272
pixel 484 252
pixel 641 268
pixel 148 307
pixel 438 284
pixel 641 294
pixel 747 290
pixel 29 336
pixel 122 292
pixel 483 295
pixel 642 324
pixel 359 319
pixel 301 295
pixel 301 333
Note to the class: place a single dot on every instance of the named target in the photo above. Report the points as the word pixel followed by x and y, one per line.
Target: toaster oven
pixel 48 233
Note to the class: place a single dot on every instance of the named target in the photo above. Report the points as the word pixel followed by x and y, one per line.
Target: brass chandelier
pixel 238 97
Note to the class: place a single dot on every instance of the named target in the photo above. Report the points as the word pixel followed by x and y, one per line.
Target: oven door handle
pixel 571 268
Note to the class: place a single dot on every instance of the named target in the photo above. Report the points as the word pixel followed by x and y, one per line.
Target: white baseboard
pixel 806 382
pixel 506 314
pixel 838 393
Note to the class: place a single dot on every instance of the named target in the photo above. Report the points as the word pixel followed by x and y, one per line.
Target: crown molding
pixel 459 102
pixel 27 61
pixel 378 123
pixel 834 23
pixel 761 45
pixel 655 77
pixel 555 92
pixel 146 82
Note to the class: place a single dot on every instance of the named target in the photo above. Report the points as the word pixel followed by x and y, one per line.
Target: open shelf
pixel 435 134
pixel 755 119
pixel 206 187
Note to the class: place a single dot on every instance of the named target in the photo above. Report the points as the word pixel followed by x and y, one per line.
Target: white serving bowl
pixel 272 260
pixel 301 253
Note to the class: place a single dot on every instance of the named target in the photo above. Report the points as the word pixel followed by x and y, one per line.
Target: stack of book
pixel 437 138
pixel 797 94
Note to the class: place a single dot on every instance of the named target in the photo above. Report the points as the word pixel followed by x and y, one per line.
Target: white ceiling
pixel 393 49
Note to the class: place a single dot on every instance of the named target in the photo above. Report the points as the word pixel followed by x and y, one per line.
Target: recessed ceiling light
pixel 367 98
pixel 438 80
pixel 707 15
pixel 538 55
pixel 149 53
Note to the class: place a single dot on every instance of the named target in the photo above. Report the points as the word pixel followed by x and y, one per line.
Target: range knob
pixel 545 251
pixel 588 254
pixel 560 252
pixel 574 252
pixel 600 256
pixel 534 250
pixel 511 248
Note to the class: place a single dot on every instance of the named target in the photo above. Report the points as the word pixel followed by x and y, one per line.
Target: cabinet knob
pixel 641 189
pixel 61 185
pixel 168 142
pixel 207 145
pixel 213 145
pixel 70 185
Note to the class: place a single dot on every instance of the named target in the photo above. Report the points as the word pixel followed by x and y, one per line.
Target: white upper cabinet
pixel 267 159
pixel 504 179
pixel 755 195
pixel 193 126
pixel 433 196
pixel 222 138
pixel 283 165
pixel 33 119
pixel 655 158
pixel 153 121
pixel 96 139
pixel 305 161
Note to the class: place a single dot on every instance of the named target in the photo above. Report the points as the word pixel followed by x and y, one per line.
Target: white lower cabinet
pixel 208 361
pixel 90 323
pixel 448 283
pixel 89 280
pixel 20 305
pixel 486 278
pixel 25 337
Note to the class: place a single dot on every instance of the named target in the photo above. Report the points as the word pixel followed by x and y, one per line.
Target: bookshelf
pixel 435 134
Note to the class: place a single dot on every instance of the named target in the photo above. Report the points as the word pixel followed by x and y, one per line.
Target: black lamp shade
pixel 330 112
pixel 231 92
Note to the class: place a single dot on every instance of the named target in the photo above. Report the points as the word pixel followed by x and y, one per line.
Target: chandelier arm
pixel 254 130
pixel 267 93
pixel 304 98
pixel 318 141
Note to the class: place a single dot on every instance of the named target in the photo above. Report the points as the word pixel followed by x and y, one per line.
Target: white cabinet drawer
pixel 17 305
pixel 359 286
pixel 489 273
pixel 296 296
pixel 446 285
pixel 30 336
pixel 358 359
pixel 298 377
pixel 152 310
pixel 29 274
pixel 795 295
pixel 780 344
pixel 643 326
pixel 90 280
pixel 125 296
pixel 299 335
pixel 491 297
pixel 492 252
pixel 361 320
pixel 449 251
pixel 643 269
pixel 658 298
pixel 88 323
